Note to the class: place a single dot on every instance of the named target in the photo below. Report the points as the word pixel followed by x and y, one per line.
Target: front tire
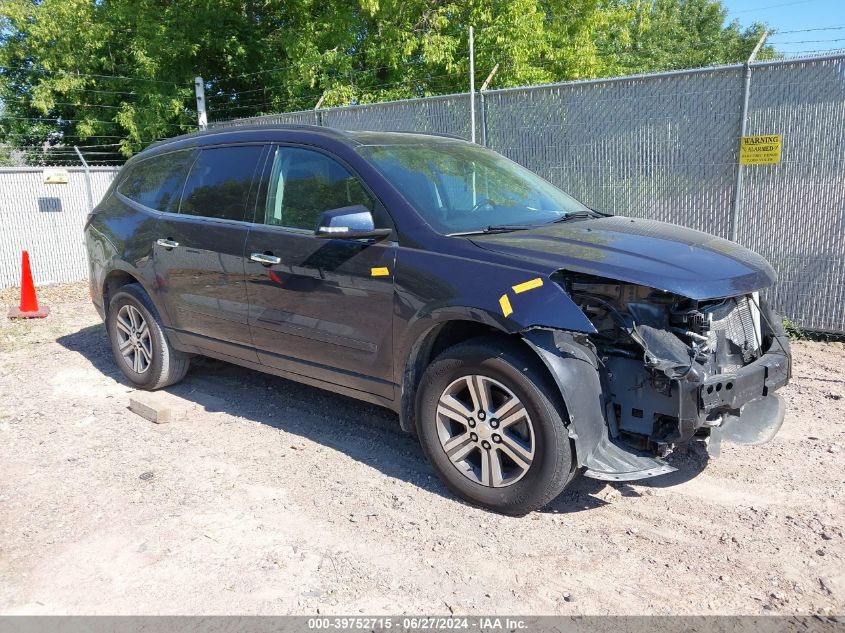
pixel 488 423
pixel 139 344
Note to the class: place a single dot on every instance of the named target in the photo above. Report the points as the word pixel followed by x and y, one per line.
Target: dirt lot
pixel 283 499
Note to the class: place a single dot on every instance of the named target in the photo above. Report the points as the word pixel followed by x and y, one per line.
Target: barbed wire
pixel 87 75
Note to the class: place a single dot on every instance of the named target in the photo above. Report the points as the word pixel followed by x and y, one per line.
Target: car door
pixel 199 251
pixel 323 308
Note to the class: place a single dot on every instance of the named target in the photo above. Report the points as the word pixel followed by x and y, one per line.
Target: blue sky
pixel 795 15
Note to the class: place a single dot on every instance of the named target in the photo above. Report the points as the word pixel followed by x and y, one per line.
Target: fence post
pixel 88 191
pixel 743 128
pixel 472 84
pixel 484 105
pixel 199 90
pixel 318 116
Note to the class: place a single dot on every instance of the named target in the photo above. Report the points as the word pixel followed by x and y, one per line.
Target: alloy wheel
pixel 485 431
pixel 133 339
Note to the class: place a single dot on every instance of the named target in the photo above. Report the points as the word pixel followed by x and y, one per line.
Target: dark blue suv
pixel 522 336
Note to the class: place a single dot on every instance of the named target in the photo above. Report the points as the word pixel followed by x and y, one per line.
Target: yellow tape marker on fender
pixel 379 272
pixel 528 285
pixel 505 303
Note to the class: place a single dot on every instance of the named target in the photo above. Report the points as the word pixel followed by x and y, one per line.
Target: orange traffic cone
pixel 29 302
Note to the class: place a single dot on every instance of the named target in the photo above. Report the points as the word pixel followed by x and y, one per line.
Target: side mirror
pixel 349 223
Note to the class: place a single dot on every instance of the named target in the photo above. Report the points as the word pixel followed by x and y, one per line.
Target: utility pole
pixel 743 129
pixel 199 89
pixel 472 84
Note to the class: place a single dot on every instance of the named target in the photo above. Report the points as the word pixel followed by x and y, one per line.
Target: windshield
pixel 463 188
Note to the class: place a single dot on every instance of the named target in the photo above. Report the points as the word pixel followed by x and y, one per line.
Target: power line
pixel 64 136
pixel 313 95
pixel 350 75
pixel 818 51
pixel 61 120
pixel 841 39
pixel 93 105
pixel 398 66
pixel 773 6
pixel 97 76
pixel 818 28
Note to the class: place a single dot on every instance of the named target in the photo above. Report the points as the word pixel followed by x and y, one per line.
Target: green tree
pixel 121 71
pixel 670 34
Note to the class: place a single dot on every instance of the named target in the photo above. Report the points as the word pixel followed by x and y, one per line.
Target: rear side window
pixel 157 182
pixel 219 181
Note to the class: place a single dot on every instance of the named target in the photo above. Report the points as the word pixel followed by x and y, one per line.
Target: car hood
pixel 654 254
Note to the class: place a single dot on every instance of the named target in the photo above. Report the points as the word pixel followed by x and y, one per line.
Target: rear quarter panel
pixel 119 238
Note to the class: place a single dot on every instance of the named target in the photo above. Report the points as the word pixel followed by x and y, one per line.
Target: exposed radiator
pixel 733 332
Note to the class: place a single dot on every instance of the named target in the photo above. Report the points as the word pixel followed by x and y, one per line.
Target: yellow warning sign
pixel 55 176
pixel 760 150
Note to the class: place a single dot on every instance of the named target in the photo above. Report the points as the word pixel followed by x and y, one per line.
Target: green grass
pixel 797 333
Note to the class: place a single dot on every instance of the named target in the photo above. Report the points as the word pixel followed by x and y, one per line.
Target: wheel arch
pixel 445 334
pixel 116 278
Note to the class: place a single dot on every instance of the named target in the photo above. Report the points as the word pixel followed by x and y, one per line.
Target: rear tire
pixel 514 463
pixel 138 341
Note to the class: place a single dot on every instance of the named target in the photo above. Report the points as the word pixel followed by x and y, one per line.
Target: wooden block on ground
pixel 155 407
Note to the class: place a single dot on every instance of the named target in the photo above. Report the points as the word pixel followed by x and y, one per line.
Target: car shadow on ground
pixel 367 433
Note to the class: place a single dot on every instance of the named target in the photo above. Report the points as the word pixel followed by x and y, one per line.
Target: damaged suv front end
pixel 674 369
pixel 655 335
pixel 680 345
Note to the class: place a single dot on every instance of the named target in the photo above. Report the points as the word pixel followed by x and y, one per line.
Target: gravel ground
pixel 287 499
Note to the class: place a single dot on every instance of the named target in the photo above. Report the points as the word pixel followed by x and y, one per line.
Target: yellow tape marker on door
pixel 528 285
pixel 379 272
pixel 505 304
pixel 760 150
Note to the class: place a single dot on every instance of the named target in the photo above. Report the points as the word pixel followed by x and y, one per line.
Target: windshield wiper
pixel 577 215
pixel 500 228
pixel 497 228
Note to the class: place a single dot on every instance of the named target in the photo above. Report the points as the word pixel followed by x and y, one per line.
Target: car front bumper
pixel 614 405
pixel 731 391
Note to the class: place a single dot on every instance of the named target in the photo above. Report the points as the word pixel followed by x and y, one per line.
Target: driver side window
pixel 304 183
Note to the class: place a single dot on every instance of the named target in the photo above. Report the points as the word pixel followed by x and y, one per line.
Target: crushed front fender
pixel 573 364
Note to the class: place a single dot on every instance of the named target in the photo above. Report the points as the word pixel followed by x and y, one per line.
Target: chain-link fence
pixel 666 146
pixel 662 146
pixel 47 220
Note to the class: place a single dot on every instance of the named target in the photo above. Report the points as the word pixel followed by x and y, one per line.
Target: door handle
pixel 264 259
pixel 167 243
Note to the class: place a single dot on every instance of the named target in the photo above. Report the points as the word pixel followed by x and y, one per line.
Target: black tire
pixel 513 366
pixel 166 366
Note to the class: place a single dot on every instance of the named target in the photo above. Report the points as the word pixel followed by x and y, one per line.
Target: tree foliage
pixel 121 71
